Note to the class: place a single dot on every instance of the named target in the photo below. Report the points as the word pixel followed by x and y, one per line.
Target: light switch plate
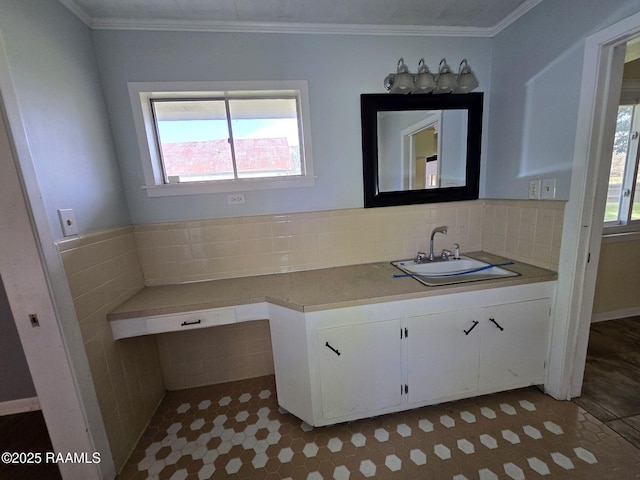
pixel 534 189
pixel 68 222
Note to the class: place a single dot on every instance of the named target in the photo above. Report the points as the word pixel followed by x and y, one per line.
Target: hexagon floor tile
pixel 237 431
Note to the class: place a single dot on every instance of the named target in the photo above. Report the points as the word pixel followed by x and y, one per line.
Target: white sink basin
pixel 466 269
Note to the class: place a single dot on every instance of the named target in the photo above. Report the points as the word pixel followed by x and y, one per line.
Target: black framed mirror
pixel 420 148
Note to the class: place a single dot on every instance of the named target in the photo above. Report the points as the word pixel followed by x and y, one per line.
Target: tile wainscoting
pixel 103 271
pixel 106 268
pixel 221 248
pixel 525 230
pixel 215 355
pixel 178 252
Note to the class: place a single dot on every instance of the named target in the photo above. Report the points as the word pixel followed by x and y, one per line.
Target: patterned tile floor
pixel 237 431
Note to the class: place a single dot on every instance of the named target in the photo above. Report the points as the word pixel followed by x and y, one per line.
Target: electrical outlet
pixel 235 199
pixel 548 190
pixel 534 189
pixel 68 222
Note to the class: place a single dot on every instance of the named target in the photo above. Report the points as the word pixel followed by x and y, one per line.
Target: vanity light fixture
pixel 445 81
pixel 400 82
pixel 424 82
pixel 467 81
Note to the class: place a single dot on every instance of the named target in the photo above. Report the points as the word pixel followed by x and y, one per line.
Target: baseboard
pixel 615 314
pixel 21 405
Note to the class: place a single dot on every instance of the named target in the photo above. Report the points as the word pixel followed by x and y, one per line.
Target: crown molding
pixel 78 12
pixel 151 24
pixel 278 27
pixel 515 15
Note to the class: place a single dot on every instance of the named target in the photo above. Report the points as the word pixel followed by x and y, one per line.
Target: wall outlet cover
pixel 548 190
pixel 235 199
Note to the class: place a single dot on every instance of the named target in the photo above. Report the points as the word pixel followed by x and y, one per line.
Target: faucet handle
pixel 445 254
pixel 420 257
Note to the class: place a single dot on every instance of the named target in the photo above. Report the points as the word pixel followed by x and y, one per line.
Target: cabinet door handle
pixel 496 324
pixel 184 324
pixel 334 350
pixel 467 332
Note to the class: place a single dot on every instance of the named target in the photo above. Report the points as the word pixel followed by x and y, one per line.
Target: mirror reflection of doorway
pixel 422 147
pixel 426 172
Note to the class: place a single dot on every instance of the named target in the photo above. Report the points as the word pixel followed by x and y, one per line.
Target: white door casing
pixel 35 284
pixel 582 229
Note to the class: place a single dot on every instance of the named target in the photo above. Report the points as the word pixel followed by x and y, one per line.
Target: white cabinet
pixel 343 364
pixel 481 350
pixel 443 352
pixel 514 344
pixel 360 368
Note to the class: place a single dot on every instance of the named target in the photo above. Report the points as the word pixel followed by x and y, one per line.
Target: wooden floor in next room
pixel 611 388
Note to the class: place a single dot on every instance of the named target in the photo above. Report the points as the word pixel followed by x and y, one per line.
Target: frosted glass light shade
pixel 424 82
pixel 400 82
pixel 446 81
pixel 467 81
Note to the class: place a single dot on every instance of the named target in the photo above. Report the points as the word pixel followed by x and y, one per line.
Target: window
pixel 218 137
pixel 623 194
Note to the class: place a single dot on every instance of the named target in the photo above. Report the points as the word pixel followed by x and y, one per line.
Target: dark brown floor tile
pixel 503 434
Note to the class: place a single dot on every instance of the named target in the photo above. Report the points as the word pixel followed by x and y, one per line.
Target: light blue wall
pixel 56 80
pixel 529 127
pixel 338 68
pixel 536 74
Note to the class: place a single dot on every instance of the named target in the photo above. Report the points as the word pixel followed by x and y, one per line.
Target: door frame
pixel 582 229
pixel 35 283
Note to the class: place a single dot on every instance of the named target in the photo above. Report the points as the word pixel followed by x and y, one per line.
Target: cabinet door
pixel 514 345
pixel 443 353
pixel 360 368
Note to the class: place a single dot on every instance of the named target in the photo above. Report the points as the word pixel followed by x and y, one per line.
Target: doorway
pixel 53 356
pixel 611 385
pixel 582 229
pixel 582 232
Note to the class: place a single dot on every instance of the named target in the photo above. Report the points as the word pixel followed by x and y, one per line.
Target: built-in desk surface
pixel 310 290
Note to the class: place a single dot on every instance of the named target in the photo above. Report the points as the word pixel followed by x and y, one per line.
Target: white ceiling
pixel 416 17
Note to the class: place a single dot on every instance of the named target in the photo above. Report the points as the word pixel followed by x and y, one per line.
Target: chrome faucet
pixel 442 230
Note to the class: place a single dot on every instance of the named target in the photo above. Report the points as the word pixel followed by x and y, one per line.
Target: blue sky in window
pixel 177 131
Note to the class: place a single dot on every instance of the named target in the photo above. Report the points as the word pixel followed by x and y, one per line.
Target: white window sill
pixel 243 185
pixel 621 233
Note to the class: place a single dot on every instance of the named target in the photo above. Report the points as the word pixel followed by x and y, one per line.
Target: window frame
pixel 141 94
pixel 624 223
